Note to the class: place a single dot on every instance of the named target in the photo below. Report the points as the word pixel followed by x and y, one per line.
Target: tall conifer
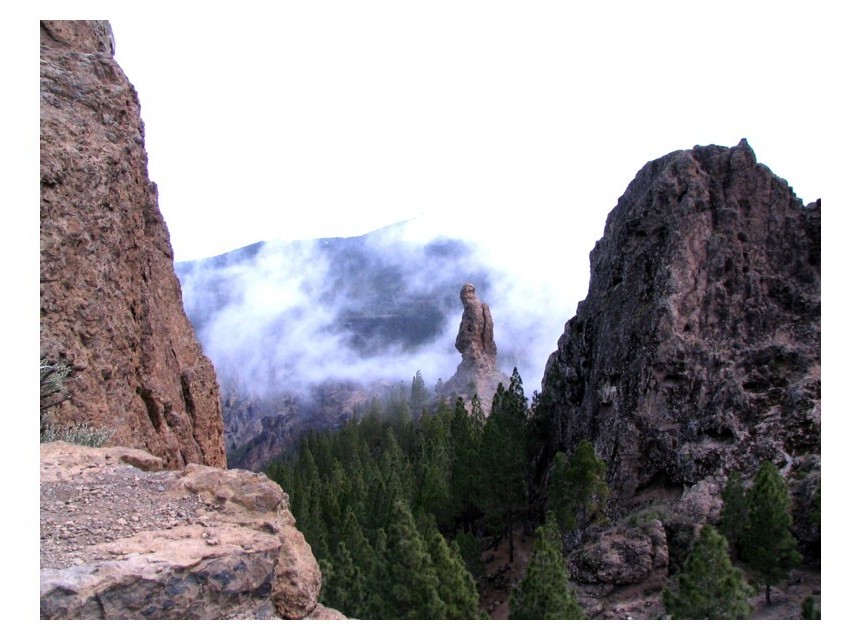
pixel 709 587
pixel 503 459
pixel 544 593
pixel 734 518
pixel 769 546
pixel 413 588
pixel 457 588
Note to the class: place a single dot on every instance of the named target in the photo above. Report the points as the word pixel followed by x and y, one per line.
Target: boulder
pixel 120 542
pixel 622 555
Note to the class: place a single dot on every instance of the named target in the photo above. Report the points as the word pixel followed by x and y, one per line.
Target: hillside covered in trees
pixel 403 504
pixel 397 503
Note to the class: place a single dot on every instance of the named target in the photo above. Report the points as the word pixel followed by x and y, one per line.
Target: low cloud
pixel 280 317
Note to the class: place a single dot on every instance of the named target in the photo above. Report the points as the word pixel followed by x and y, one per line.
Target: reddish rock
pixel 477 372
pixel 111 304
pixel 119 542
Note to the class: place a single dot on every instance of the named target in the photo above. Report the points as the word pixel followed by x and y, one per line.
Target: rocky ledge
pixel 121 538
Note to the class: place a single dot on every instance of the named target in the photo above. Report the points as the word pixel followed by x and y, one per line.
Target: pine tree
pixel 456 586
pixel 433 471
pixel 313 526
pixel 503 459
pixel 377 605
pixel 413 586
pixel 709 587
pixel 470 551
pixel 418 396
pixel 544 593
pixel 588 482
pixel 465 433
pixel 768 545
pixel 356 542
pixel 560 493
pixel 476 410
pixel 345 585
pixel 735 514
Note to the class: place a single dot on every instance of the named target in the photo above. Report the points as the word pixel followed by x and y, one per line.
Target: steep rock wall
pixel 697 349
pixel 111 305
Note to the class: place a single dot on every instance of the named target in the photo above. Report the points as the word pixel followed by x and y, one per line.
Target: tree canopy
pixel 768 545
pixel 709 587
pixel 544 593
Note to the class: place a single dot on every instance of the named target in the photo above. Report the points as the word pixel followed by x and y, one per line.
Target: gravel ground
pixel 104 505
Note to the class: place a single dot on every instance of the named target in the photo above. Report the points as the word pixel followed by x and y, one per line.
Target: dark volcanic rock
pixel 111 304
pixel 697 349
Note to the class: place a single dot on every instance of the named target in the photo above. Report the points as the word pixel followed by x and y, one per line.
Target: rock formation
pixel 697 349
pixel 123 539
pixel 477 372
pixel 111 305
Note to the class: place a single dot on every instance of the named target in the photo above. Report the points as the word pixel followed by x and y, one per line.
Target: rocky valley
pixel 691 368
pixel 306 333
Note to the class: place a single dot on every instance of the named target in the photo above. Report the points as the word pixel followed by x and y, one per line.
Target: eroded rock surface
pixel 696 353
pixel 621 560
pixel 477 372
pixel 111 304
pixel 121 539
pixel 697 350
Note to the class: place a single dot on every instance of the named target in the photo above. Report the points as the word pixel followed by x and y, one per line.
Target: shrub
pixel 82 434
pixel 52 392
pixel 709 587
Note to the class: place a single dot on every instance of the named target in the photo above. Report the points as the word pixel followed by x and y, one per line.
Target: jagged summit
pixel 477 372
pixel 697 349
pixel 696 353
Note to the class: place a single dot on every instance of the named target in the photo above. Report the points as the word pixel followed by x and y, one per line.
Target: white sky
pixel 335 118
pixel 330 118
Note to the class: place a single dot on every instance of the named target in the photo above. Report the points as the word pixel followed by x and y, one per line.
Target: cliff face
pixel 697 349
pixel 111 305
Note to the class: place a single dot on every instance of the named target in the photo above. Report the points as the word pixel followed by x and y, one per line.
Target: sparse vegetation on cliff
pixel 53 392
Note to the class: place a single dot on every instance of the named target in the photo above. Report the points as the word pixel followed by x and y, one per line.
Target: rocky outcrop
pixel 123 539
pixel 625 563
pixel 697 349
pixel 695 353
pixel 477 372
pixel 622 555
pixel 111 305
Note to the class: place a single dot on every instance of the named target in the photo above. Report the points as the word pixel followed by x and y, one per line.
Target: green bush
pixel 82 434
pixel 52 392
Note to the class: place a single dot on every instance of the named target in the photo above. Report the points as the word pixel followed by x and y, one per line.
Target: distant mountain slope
pixel 287 323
